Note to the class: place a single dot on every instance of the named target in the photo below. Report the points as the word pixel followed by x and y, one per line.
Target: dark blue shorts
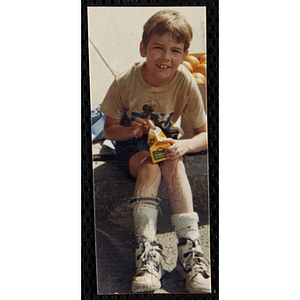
pixel 126 149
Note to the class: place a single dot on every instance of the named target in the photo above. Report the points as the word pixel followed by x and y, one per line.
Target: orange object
pixel 199 75
pixel 201 68
pixel 202 59
pixel 192 60
pixel 199 80
pixel 188 65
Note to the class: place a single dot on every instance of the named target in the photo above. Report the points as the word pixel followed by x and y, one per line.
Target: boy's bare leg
pixel 145 210
pixel 192 263
pixel 178 186
pixel 148 175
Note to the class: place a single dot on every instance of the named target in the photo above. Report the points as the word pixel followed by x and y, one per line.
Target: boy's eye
pixel 176 51
pixel 158 48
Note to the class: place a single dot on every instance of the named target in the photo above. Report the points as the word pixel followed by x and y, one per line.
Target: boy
pixel 160 91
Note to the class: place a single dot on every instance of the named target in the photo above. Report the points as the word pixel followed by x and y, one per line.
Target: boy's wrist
pixel 131 132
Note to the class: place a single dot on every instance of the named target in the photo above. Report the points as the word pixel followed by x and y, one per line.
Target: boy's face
pixel 163 56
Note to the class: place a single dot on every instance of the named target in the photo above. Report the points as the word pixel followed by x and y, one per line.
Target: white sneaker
pixel 149 269
pixel 193 265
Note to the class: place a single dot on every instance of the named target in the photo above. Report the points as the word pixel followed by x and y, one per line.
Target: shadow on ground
pixel 116 266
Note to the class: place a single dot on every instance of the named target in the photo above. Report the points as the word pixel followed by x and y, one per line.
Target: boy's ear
pixel 185 54
pixel 142 50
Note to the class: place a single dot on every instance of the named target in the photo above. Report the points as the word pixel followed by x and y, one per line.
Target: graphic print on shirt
pixel 149 108
pixel 160 120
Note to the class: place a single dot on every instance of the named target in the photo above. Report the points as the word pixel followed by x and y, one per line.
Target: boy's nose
pixel 166 55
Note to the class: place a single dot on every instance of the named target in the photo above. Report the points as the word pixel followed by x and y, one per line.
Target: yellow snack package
pixel 157 145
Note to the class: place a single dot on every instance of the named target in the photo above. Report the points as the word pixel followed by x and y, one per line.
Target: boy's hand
pixel 142 126
pixel 177 149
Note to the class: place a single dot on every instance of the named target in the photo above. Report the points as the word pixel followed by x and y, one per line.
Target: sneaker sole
pixel 180 269
pixel 196 291
pixel 143 289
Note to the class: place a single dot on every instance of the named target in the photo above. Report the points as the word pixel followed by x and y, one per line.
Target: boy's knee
pixel 141 163
pixel 149 167
pixel 172 168
pixel 149 170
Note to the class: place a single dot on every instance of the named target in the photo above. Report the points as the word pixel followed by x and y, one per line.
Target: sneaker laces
pixel 150 257
pixel 196 260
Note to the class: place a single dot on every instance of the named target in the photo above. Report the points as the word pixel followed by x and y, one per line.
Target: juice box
pixel 157 145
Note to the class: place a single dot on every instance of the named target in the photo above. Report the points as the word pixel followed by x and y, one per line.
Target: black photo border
pixel 88 259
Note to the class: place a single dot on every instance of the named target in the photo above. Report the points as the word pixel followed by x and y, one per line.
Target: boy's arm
pixel 193 145
pixel 116 132
pixel 199 141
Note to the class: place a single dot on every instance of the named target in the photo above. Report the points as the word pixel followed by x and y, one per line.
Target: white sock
pixel 186 225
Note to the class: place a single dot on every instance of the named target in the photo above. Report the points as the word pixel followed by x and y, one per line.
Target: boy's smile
pixel 163 56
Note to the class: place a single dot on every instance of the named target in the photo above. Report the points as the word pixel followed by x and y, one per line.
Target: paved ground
pixel 115 240
pixel 115 259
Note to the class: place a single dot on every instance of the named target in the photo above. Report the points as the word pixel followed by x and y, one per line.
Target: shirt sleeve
pixel 112 104
pixel 194 111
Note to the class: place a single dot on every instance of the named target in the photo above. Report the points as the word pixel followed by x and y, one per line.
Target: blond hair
pixel 168 21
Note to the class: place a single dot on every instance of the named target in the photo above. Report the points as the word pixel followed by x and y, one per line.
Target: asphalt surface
pixel 114 229
pixel 115 251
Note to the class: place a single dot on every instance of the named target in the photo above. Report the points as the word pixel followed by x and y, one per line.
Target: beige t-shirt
pixel 168 106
